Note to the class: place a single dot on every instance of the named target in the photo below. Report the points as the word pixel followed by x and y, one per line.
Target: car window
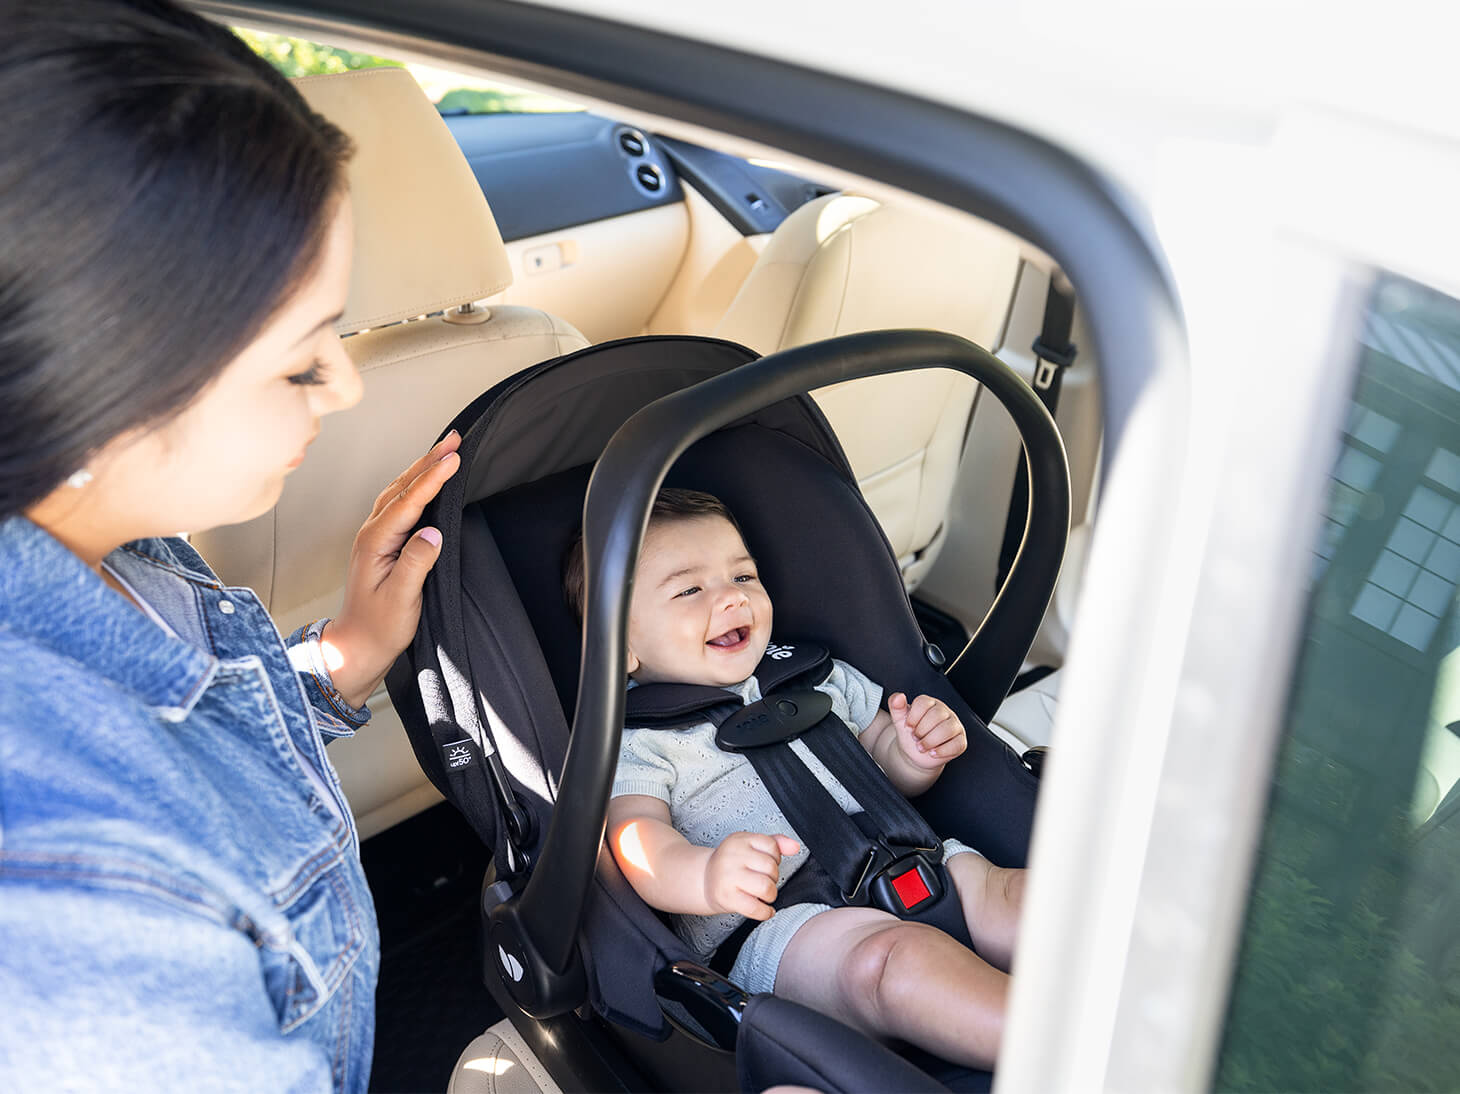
pixel 453 92
pixel 1349 970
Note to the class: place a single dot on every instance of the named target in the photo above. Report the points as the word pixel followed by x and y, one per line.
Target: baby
pixel 698 835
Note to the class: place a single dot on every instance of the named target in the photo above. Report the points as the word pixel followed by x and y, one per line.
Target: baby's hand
pixel 742 873
pixel 928 732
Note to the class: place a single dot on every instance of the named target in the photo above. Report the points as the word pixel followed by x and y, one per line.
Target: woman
pixel 181 899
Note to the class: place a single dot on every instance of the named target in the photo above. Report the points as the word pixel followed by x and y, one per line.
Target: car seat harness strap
pixel 886 855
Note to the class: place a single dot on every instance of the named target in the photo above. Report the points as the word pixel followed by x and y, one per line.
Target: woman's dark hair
pixel 672 504
pixel 162 189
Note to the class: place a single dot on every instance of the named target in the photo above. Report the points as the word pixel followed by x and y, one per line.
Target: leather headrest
pixel 425 238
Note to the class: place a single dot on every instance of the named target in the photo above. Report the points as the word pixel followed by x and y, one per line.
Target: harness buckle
pixel 906 885
pixel 901 884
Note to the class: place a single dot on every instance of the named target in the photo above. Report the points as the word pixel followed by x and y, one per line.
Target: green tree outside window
pixel 452 92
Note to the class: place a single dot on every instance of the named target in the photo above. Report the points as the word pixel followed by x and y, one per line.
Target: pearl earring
pixel 79 479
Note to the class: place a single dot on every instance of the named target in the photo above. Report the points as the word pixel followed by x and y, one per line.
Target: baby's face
pixel 699 614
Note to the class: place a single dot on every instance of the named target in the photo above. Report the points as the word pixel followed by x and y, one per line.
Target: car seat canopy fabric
pixel 553 419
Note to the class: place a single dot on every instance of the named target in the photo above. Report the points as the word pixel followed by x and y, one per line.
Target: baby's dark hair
pixel 672 504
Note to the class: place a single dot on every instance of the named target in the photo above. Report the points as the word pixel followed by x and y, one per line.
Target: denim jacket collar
pixel 52 598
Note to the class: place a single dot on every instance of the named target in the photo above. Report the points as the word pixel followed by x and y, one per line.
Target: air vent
pixel 632 143
pixel 649 177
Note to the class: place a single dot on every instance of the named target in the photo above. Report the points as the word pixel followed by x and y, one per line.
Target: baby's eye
pixel 314 374
pixel 742 578
pixel 687 592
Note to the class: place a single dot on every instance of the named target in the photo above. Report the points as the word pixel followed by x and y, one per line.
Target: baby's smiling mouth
pixel 732 639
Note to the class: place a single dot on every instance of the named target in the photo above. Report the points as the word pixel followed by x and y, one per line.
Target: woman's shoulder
pixel 38 678
pixel 75 745
pixel 98 789
pixel 64 725
pixel 58 715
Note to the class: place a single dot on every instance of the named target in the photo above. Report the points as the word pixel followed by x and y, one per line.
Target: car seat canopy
pixel 562 414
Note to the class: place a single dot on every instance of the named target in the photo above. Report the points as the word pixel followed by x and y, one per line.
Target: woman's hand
pixel 388 566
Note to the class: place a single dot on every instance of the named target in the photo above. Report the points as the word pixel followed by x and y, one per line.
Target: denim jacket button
pixel 226 607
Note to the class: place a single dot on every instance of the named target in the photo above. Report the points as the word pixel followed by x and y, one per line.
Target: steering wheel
pixel 541 923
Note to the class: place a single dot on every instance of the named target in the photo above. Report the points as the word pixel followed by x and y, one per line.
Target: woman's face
pixel 224 459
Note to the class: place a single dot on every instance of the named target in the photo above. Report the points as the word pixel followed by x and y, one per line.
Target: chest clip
pixel 782 716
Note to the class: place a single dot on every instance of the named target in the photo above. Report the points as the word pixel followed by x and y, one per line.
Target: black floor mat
pixel 426 874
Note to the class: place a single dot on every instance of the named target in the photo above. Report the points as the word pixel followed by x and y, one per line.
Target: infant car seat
pixel 596 981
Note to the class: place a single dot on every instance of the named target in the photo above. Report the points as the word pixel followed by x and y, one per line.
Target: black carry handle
pixel 539 927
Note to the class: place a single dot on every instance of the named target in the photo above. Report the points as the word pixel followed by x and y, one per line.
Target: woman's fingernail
pixel 431 536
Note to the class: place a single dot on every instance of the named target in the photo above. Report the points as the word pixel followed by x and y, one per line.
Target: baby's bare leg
pixel 897 979
pixel 992 897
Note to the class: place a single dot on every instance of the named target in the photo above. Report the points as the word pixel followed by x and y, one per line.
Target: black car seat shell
pixel 498 661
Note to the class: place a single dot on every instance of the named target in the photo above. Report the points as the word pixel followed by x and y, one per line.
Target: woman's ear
pixel 633 663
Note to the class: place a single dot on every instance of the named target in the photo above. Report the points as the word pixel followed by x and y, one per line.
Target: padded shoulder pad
pixel 671 706
pixel 806 663
pixel 665 706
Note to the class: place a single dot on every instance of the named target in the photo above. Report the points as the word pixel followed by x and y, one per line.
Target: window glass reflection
pixel 1349 974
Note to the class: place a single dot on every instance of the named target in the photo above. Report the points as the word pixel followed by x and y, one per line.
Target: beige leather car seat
pixel 844 263
pixel 425 242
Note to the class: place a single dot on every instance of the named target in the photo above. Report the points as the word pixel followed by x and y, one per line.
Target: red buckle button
pixel 911 889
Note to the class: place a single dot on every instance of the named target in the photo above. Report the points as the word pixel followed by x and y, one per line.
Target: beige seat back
pixel 845 263
pixel 425 242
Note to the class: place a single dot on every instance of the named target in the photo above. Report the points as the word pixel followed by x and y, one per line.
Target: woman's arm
pixel 335 715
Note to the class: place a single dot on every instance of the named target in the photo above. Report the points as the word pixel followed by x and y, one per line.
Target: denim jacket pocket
pixel 325 938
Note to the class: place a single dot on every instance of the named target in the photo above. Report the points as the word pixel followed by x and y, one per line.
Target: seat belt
pixel 1053 353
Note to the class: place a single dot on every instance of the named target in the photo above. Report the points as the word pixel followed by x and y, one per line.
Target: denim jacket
pixel 182 905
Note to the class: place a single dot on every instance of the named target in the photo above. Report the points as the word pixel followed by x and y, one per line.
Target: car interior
pixel 487 244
